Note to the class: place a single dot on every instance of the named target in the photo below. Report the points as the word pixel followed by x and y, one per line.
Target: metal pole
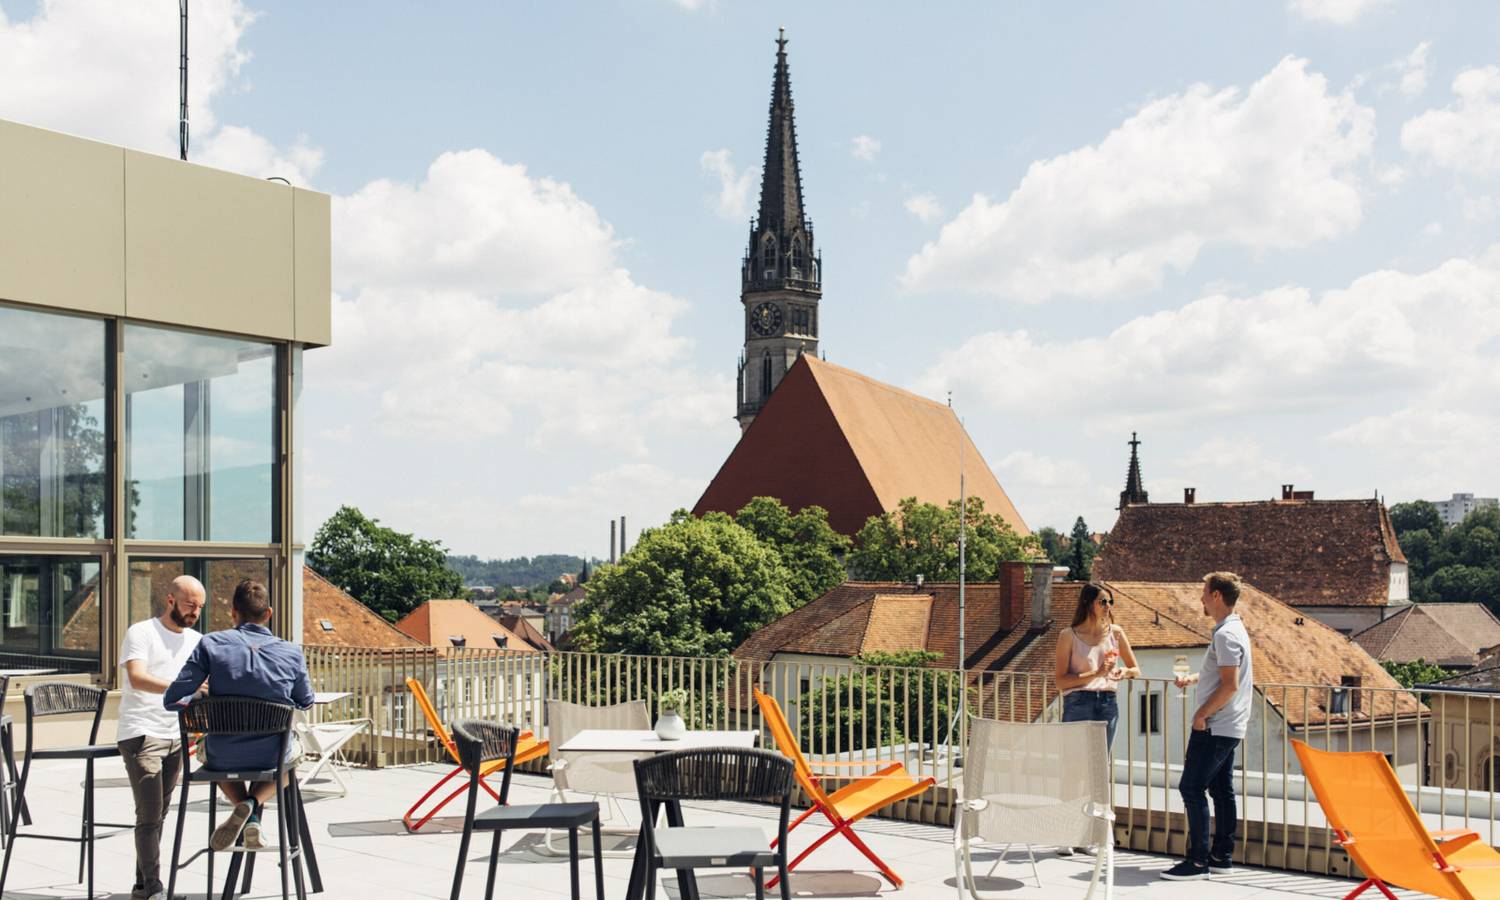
pixel 182 72
pixel 963 527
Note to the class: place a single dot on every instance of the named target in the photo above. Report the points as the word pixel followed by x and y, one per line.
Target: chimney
pixel 611 541
pixel 919 581
pixel 1041 595
pixel 1012 594
pixel 1286 492
pixel 1189 495
pixel 1352 684
pixel 622 536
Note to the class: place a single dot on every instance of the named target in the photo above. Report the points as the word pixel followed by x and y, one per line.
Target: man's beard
pixel 182 620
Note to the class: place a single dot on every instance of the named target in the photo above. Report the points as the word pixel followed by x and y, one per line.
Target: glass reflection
pixel 51 425
pixel 199 436
pixel 149 579
pixel 49 613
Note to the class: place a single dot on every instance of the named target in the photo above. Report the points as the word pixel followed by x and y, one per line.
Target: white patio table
pixel 327 739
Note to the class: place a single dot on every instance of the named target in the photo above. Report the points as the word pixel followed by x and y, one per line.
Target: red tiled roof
pixel 831 437
pixel 521 626
pixel 436 621
pixel 1305 552
pixel 354 624
pixel 1444 634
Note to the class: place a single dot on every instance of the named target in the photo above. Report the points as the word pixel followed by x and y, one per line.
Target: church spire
pixel 1134 492
pixel 781 179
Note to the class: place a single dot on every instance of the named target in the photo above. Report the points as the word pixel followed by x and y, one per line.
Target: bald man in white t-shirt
pixel 148 735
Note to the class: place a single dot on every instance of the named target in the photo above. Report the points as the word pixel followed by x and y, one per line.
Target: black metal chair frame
pixel 61 698
pixel 480 742
pixel 245 717
pixel 709 773
pixel 12 779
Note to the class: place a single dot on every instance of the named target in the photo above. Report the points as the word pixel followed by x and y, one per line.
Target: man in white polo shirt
pixel 1226 694
pixel 152 655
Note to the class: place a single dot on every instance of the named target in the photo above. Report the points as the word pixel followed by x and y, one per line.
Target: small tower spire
pixel 1135 491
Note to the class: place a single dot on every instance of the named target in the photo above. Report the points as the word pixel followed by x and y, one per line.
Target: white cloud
pixel 733 199
pixel 1429 451
pixel 1465 134
pixel 106 70
pixel 1273 167
pixel 1285 350
pixel 865 147
pixel 925 207
pixel 1334 12
pixel 1413 70
pixel 475 223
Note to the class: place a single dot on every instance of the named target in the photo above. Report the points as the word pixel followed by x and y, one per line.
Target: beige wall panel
pixel 62 221
pixel 206 248
pixel 314 280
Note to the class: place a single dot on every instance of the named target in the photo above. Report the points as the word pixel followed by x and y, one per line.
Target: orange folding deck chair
pixel 1374 821
pixel 850 803
pixel 528 748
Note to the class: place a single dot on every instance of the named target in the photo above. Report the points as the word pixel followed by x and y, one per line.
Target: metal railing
pixel 1444 746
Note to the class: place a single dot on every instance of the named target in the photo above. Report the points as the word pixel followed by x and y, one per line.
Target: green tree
pixel 1051 542
pixel 809 547
pixel 899 699
pixel 1418 515
pixel 1080 551
pixel 1410 674
pixel 692 587
pixel 391 572
pixel 922 539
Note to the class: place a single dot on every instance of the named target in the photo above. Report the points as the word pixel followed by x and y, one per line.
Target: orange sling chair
pixel 850 803
pixel 1373 820
pixel 528 748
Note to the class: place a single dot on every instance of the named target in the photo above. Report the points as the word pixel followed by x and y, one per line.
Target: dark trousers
pixel 1208 768
pixel 1093 706
pixel 152 765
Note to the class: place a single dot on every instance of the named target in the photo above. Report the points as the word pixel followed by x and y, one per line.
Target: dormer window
pixel 458 641
pixel 325 624
pixel 500 640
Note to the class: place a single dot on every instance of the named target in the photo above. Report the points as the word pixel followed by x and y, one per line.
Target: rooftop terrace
pixel 364 851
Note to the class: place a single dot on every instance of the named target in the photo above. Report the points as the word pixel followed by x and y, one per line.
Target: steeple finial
pixel 1135 491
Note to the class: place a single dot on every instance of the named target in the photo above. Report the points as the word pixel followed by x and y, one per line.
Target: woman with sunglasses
pixel 1088 652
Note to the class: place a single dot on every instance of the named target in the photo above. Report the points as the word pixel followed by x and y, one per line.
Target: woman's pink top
pixel 1088 657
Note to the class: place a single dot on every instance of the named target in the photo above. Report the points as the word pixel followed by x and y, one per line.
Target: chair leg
pixel 88 821
pixel 283 836
pixel 598 863
pixel 290 799
pixel 177 842
pixel 759 874
pixel 83 828
pixel 8 745
pixel 573 860
pixel 783 876
pixel 213 817
pixel 309 856
pixel 463 856
pixel 15 823
pixel 489 881
pixel 651 871
pixel 887 871
pixel 1368 882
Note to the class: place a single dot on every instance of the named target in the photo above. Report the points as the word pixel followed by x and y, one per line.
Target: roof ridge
pixel 1157 610
pixel 814 363
pixel 1403 616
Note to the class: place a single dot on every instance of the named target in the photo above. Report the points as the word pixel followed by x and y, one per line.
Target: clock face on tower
pixel 766 319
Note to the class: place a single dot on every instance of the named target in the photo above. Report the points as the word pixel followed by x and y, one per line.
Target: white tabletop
pixel 628 741
pixel 322 697
pixel 22 673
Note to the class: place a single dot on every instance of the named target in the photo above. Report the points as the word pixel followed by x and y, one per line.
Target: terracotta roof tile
pixel 897 623
pixel 1444 634
pixel 353 623
pixel 522 626
pixel 436 621
pixel 857 447
pixel 1305 552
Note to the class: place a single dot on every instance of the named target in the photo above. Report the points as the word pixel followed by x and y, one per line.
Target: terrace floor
pixel 364 852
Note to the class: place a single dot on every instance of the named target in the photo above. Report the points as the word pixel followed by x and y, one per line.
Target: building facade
pixel 781 275
pixel 153 319
pixel 1457 508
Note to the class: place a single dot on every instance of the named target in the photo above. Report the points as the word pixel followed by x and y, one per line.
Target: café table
pixel 603 740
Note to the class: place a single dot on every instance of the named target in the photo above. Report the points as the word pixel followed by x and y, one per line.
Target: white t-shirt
pixel 165 651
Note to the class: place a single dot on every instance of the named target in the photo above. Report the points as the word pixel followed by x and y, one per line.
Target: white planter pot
pixel 670 727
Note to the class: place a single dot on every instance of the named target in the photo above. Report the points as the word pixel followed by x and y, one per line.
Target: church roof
pixel 831 437
pixel 781 180
pixel 1303 552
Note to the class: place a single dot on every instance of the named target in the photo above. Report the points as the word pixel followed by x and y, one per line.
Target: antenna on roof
pixel 182 109
pixel 963 509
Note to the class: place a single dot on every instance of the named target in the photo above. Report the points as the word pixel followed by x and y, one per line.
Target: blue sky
pixel 1258 233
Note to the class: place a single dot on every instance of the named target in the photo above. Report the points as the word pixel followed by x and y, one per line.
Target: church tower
pixel 781 276
pixel 1135 490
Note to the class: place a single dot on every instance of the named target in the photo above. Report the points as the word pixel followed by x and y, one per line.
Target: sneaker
pixel 1187 870
pixel 1064 851
pixel 1220 865
pixel 229 830
pixel 251 838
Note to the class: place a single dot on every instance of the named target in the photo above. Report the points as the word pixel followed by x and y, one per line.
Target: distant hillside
pixel 503 573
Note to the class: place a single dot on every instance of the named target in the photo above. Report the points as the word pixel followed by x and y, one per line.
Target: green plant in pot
pixel 671 704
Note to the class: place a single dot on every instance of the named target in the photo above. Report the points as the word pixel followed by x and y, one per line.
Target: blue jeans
pixel 1093 706
pixel 1208 767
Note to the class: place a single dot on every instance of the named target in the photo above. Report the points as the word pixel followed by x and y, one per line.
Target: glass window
pixel 149 579
pixel 199 436
pixel 49 613
pixel 51 425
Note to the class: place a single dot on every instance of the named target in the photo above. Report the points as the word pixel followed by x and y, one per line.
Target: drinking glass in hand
pixel 1182 671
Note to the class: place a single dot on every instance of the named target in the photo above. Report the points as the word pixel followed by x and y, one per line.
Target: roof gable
pixel 1445 634
pixel 1304 552
pixel 436 622
pixel 353 623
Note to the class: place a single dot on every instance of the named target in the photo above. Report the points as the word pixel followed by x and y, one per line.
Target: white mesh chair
pixel 606 777
pixel 327 739
pixel 1039 785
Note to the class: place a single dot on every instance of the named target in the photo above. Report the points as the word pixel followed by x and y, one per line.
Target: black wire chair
pixel 710 773
pixel 8 787
pixel 480 742
pixel 61 698
pixel 244 717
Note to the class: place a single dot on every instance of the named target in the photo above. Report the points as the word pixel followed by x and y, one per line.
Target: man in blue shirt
pixel 246 661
